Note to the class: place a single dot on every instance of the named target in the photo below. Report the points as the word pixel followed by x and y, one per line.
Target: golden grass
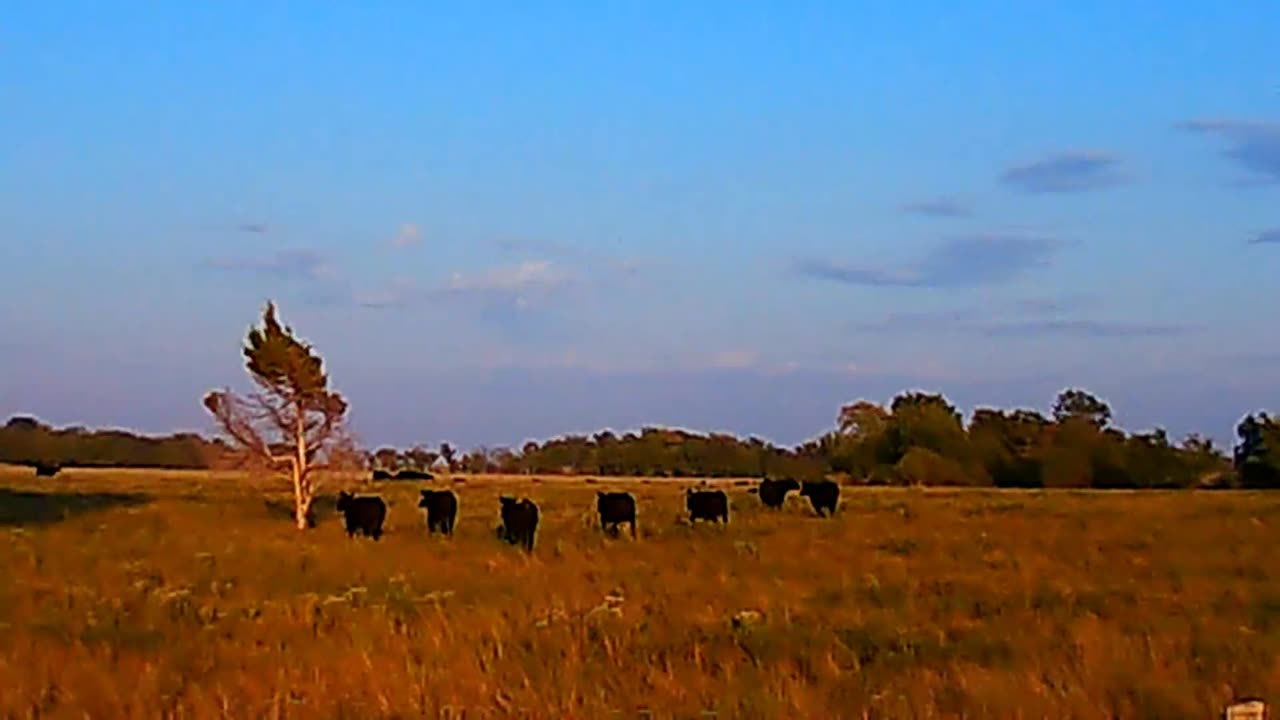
pixel 172 594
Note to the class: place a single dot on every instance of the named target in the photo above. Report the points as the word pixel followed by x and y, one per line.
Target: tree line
pixel 25 440
pixel 917 439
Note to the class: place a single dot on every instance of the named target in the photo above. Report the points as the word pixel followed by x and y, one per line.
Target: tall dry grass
pixel 188 595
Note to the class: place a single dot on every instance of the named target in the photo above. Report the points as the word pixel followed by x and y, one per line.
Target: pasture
pixel 189 594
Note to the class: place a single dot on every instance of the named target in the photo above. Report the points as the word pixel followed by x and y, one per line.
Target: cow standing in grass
pixel 47 469
pixel 519 521
pixel 773 493
pixel 362 514
pixel 442 510
pixel 711 505
pixel 823 496
pixel 616 508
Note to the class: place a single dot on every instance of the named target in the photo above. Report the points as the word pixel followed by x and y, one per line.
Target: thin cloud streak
pixel 1073 171
pixel 974 322
pixel 1267 237
pixel 958 263
pixel 1253 145
pixel 1094 329
pixel 299 264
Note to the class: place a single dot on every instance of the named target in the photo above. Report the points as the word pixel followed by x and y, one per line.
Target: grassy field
pixel 163 594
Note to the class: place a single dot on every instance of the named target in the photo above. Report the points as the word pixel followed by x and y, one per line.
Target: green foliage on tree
pixel 293 421
pixel 1257 455
pixel 1074 403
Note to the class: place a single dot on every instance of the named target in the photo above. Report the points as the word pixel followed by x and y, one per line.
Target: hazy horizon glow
pixel 505 223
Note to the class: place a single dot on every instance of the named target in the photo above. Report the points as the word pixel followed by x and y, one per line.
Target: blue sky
pixel 509 220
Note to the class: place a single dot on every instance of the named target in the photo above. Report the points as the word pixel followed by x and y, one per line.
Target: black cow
pixel 364 514
pixel 414 475
pixel 616 508
pixel 519 521
pixel 383 475
pixel 712 505
pixel 442 509
pixel 773 493
pixel 822 494
pixel 47 469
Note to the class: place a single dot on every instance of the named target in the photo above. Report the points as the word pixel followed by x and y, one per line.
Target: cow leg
pixel 633 528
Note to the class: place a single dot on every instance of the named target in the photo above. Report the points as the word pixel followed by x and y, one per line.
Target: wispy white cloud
pixel 299 264
pixel 523 277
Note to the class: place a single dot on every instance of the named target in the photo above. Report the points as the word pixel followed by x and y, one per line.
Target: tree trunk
pixel 303 512
pixel 301 482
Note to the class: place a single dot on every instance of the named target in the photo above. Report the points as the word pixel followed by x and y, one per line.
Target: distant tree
pixel 921 466
pixel 1007 445
pixel 25 423
pixel 860 443
pixel 293 409
pixel 476 461
pixel 449 455
pixel 420 458
pixel 1079 404
pixel 862 419
pixel 387 458
pixel 925 420
pixel 1257 455
pixel 504 460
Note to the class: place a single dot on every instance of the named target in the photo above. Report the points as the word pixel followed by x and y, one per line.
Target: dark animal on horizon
pixel 711 505
pixel 414 475
pixel 47 469
pixel 442 509
pixel 823 495
pixel 519 521
pixel 362 514
pixel 773 493
pixel 616 508
pixel 382 475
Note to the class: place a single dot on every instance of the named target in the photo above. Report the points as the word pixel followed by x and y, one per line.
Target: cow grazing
pixel 823 495
pixel 442 509
pixel 519 521
pixel 362 514
pixel 616 508
pixel 712 505
pixel 382 475
pixel 47 469
pixel 414 475
pixel 773 493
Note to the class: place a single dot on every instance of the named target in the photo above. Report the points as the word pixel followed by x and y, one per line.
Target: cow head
pixel 344 500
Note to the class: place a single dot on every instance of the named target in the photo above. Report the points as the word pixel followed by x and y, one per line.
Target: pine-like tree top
pixel 281 363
